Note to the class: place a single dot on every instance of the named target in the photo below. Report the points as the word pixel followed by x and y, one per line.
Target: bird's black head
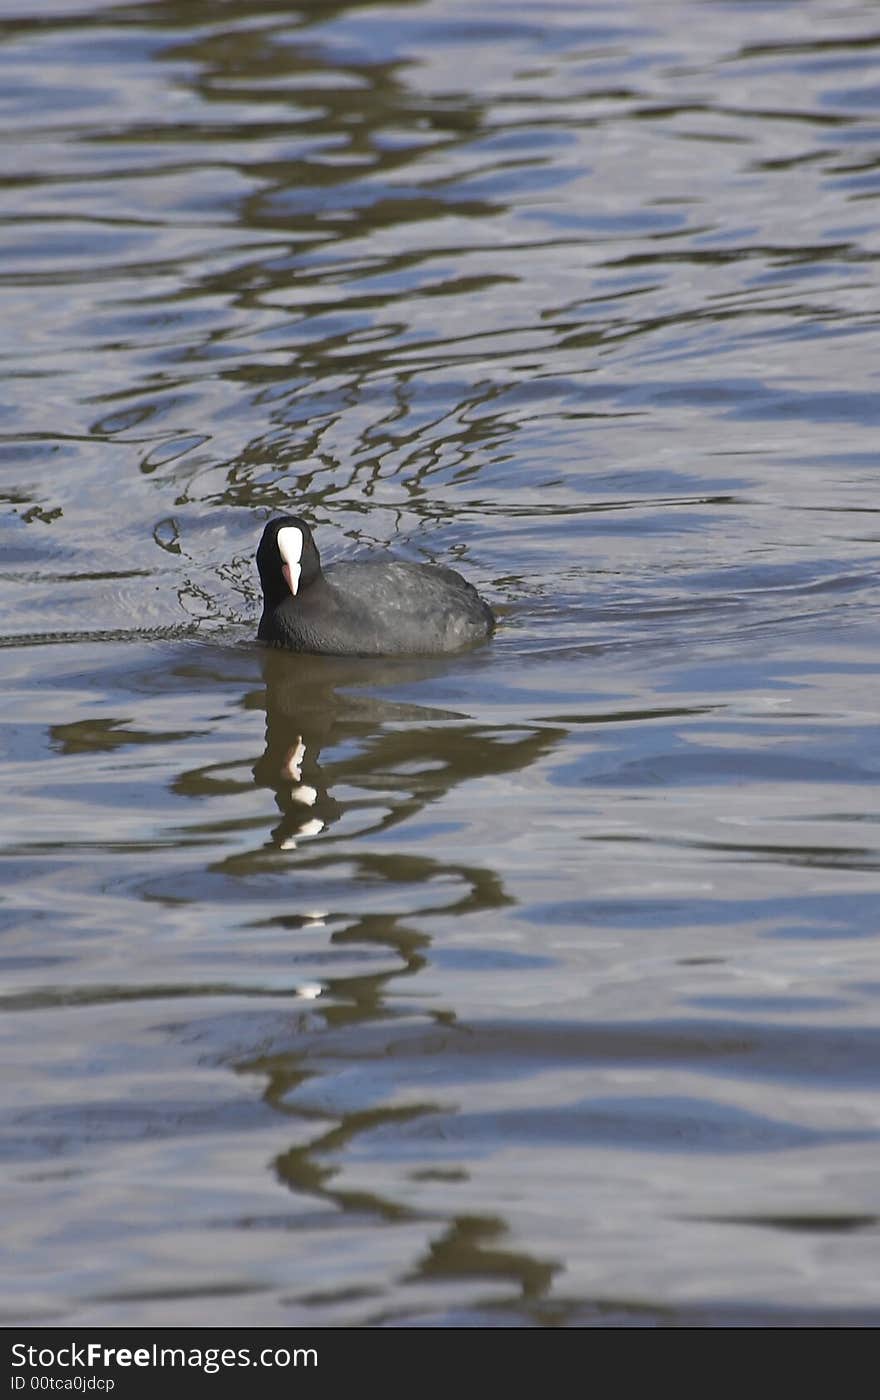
pixel 287 559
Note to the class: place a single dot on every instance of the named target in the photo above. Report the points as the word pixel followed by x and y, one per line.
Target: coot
pixel 383 607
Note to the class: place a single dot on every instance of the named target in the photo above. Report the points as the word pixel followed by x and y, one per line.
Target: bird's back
pixel 382 608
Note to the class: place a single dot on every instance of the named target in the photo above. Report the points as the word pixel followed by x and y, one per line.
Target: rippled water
pixel 560 1002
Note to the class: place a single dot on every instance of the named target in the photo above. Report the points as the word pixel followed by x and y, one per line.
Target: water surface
pixel 538 985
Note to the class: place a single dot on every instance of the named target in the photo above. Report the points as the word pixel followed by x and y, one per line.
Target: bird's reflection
pixel 344 762
pixel 389 758
pixel 310 708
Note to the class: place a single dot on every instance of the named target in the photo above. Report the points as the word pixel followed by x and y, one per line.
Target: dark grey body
pixel 381 608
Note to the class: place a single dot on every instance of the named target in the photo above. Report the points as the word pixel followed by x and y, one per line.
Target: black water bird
pixel 382 607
